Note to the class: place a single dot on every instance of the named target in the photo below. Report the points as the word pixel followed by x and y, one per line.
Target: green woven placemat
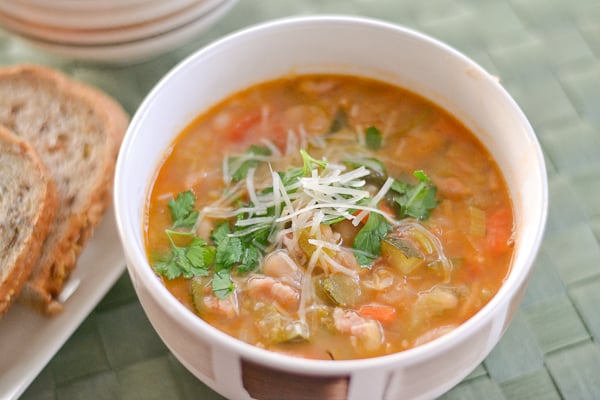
pixel 547 54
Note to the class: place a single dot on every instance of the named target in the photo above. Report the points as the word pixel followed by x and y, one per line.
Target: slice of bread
pixel 77 131
pixel 28 201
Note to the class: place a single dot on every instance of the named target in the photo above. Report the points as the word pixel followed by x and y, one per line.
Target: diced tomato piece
pixel 498 231
pixel 240 128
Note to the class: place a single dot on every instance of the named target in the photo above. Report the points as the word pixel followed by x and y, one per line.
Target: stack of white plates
pixel 119 31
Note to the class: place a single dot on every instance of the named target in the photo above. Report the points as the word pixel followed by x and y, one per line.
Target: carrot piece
pixel 364 220
pixel 380 312
pixel 498 231
pixel 385 207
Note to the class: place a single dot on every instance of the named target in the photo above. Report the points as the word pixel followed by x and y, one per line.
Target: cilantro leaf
pixel 242 253
pixel 222 285
pixel 250 259
pixel 220 232
pixel 367 243
pixel 186 261
pixel 290 176
pixel 242 170
pixel 373 137
pixel 229 252
pixel 309 161
pixel 418 200
pixel 200 256
pixel 168 268
pixel 182 210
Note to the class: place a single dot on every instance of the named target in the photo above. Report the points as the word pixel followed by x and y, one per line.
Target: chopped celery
pixel 477 222
pixel 401 254
pixel 341 289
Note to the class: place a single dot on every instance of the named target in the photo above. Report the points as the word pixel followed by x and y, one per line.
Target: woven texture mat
pixel 547 54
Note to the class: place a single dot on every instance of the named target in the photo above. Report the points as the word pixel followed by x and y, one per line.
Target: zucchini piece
pixel 197 289
pixel 341 290
pixel 275 328
pixel 401 254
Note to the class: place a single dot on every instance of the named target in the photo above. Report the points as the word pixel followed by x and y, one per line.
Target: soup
pixel 330 217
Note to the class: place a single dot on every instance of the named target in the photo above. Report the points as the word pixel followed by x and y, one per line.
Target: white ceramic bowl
pixel 342 45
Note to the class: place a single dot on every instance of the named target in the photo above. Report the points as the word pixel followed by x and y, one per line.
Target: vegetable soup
pixel 330 217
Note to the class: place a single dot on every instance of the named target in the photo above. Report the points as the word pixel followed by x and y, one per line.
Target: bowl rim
pixel 310 366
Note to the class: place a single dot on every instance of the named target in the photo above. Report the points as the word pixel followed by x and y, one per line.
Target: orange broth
pixel 412 292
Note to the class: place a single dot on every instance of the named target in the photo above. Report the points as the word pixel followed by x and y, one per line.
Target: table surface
pixel 547 54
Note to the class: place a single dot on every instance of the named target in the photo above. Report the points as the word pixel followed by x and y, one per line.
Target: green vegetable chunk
pixel 275 328
pixel 373 138
pixel 197 287
pixel 401 254
pixel 341 289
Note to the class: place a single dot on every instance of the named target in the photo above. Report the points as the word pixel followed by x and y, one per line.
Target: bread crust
pixel 28 254
pixel 58 260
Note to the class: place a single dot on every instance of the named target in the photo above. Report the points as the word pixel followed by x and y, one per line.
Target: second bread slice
pixel 28 202
pixel 77 131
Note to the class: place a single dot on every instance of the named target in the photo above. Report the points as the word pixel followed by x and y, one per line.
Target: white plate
pixel 113 36
pixel 100 18
pixel 30 340
pixel 84 4
pixel 138 50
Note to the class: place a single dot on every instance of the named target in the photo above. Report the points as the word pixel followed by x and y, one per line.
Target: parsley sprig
pixel 367 242
pixel 189 255
pixel 239 173
pixel 182 210
pixel 233 249
pixel 415 201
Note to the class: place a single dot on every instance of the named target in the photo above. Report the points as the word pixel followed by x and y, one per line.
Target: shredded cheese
pixel 373 203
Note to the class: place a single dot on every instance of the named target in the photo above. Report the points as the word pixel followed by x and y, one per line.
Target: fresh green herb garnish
pixel 309 162
pixel 186 261
pixel 290 176
pixel 242 252
pixel 229 249
pixel 196 256
pixel 222 285
pixel 418 200
pixel 236 247
pixel 373 138
pixel 367 243
pixel 182 210
pixel 242 170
